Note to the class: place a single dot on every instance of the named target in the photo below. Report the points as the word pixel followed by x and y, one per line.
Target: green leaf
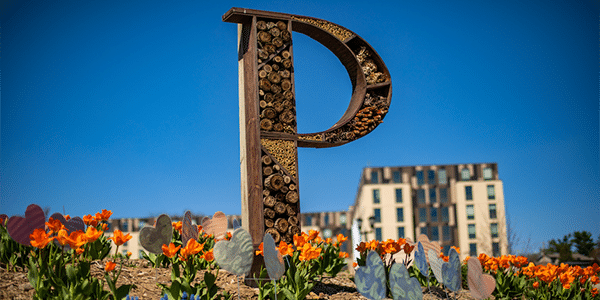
pixel 71 273
pixel 210 279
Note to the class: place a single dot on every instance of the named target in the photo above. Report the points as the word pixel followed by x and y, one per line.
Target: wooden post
pixel 268 136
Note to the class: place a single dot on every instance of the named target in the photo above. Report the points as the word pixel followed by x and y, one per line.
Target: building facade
pixel 455 205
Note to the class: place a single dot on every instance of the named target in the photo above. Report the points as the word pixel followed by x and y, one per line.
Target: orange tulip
pixel 104 227
pixel 309 252
pixel 362 247
pixel 171 250
pixel 536 284
pixel 119 238
pixel 90 220
pixel 285 249
pixel 79 251
pixel 299 240
pixel 190 249
pixel 209 255
pixel 312 234
pixel 92 234
pixel 104 216
pixel 67 217
pixel 76 239
pixel 328 241
pixel 341 238
pixel 594 292
pixel 354 264
pixel 456 248
pixel 344 255
pixel 128 253
pixel 177 226
pixel 109 266
pixel 594 279
pixel 408 248
pixel 62 237
pixel 228 236
pixel 39 238
pixel 54 225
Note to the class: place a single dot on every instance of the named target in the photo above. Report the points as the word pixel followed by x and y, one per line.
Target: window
pixel 434 214
pixel 398 195
pixel 377 215
pixel 491 192
pixel 422 214
pixel 435 234
pixel 421 196
pixel 374 177
pixel 492 211
pixel 471 231
pixel 424 231
pixel 326 219
pixel 376 197
pixel 442 178
pixel 495 249
pixel 125 244
pixel 343 219
pixel 494 229
pixel 308 221
pixel 487 173
pixel 445 214
pixel 327 233
pixel 470 212
pixel 397 177
pixel 443 195
pixel 420 179
pixel 400 214
pixel 432 196
pixel 465 174
pixel 378 234
pixel 445 250
pixel 446 233
pixel 469 192
pixel 125 226
pixel 400 232
pixel 431 176
pixel 473 249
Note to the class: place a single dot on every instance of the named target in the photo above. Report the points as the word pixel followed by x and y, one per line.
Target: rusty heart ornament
pixel 19 228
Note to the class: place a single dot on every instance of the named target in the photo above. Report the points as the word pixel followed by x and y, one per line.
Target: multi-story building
pixel 456 205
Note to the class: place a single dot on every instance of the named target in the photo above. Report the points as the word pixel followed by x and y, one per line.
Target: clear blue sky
pixel 132 106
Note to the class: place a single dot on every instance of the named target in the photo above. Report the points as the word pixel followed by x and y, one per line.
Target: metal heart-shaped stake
pixel 428 245
pixel 217 226
pixel 273 259
pixel 370 279
pixel 451 271
pixel 481 285
pixel 436 263
pixel 189 231
pixel 235 255
pixel 19 228
pixel 72 225
pixel 153 237
pixel 235 223
pixel 402 285
pixel 421 260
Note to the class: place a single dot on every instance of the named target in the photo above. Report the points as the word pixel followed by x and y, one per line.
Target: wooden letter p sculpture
pixel 268 137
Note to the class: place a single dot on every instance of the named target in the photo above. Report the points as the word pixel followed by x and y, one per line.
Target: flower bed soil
pixel 14 285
